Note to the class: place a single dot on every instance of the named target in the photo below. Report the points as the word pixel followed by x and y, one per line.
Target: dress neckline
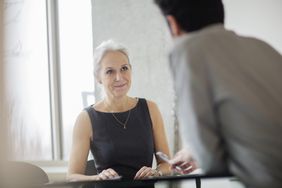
pixel 138 100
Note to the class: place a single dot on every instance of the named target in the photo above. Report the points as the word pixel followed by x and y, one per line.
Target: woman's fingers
pixel 112 172
pixel 141 172
pixel 144 172
pixel 108 174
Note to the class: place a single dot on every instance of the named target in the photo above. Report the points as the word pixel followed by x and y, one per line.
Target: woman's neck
pixel 116 105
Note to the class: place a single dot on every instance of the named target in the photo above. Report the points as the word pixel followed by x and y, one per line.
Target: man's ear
pixel 174 26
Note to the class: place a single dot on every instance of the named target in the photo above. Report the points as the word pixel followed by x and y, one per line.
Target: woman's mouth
pixel 119 86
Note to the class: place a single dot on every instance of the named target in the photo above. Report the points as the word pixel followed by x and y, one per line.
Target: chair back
pixel 24 174
pixel 90 168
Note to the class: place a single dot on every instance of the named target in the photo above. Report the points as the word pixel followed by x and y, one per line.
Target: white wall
pixel 258 18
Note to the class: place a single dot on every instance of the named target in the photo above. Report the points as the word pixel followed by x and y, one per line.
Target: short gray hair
pixel 102 49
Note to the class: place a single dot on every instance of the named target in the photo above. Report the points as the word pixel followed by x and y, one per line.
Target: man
pixel 229 95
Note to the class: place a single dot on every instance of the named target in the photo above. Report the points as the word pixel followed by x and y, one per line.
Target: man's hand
pixel 183 162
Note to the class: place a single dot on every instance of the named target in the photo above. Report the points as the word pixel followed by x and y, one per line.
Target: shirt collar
pixel 179 41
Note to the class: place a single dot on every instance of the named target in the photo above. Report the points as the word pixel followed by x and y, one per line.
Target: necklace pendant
pixel 121 123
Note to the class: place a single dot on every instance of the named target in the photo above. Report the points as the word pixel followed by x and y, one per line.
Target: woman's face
pixel 115 74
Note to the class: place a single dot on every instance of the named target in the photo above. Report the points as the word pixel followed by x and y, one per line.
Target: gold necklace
pixel 123 124
pixel 120 122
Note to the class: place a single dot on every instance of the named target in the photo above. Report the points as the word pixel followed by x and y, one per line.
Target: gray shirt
pixel 229 104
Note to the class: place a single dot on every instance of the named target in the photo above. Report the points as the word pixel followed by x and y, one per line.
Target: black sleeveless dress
pixel 124 150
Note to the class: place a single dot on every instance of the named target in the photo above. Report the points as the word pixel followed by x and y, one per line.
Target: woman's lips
pixel 121 85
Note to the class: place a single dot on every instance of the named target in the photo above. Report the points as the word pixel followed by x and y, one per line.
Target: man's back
pixel 236 89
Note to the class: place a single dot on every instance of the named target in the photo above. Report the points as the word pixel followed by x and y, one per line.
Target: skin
pixel 115 77
pixel 184 160
pixel 175 28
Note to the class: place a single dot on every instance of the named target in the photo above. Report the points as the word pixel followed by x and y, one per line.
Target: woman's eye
pixel 109 71
pixel 125 68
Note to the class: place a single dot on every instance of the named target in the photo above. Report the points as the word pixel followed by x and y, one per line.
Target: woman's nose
pixel 118 76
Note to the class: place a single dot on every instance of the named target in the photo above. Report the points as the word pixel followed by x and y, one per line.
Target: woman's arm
pixel 159 136
pixel 80 148
pixel 82 134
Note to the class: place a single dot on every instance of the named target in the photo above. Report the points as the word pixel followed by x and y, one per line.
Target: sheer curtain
pixel 27 79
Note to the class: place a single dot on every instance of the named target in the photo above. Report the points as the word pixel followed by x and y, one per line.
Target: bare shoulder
pixel 83 123
pixel 153 109
pixel 155 114
pixel 152 105
pixel 83 117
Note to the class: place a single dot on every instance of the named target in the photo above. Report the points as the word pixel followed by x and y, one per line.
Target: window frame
pixel 54 79
pixel 54 66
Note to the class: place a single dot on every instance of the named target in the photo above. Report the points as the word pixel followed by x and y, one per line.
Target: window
pixel 48 52
pixel 77 80
pixel 26 58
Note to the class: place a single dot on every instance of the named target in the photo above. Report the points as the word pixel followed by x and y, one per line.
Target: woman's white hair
pixel 102 49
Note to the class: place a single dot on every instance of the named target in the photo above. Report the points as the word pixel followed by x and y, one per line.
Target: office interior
pixel 46 70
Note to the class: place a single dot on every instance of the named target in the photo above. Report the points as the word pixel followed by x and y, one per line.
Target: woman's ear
pixel 174 26
pixel 98 80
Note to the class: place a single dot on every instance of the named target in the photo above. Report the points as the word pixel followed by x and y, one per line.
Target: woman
pixel 122 132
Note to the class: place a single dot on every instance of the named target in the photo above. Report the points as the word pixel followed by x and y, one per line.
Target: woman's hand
pixel 107 174
pixel 146 172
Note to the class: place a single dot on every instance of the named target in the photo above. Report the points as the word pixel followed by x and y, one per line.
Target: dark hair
pixel 193 15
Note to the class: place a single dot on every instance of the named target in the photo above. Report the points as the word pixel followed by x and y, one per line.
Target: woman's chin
pixel 120 93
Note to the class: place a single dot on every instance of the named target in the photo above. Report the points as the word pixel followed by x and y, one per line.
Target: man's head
pixel 191 15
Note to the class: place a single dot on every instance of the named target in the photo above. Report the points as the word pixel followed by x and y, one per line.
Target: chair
pixel 90 168
pixel 23 174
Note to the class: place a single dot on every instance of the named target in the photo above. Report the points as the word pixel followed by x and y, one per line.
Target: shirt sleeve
pixel 199 128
